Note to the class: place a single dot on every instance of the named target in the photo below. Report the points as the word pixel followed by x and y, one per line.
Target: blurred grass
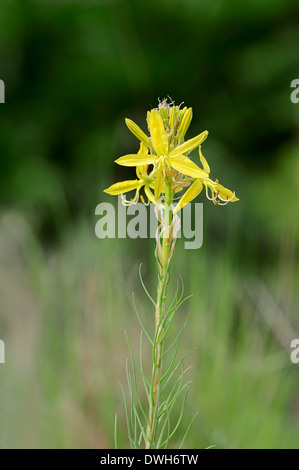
pixel 63 316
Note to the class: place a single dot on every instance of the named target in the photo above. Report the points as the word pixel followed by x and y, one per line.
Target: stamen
pixel 127 203
pixel 172 103
pixel 207 192
pixel 227 200
pixel 223 203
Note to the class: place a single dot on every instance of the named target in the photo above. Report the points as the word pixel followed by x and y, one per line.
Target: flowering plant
pixel 163 169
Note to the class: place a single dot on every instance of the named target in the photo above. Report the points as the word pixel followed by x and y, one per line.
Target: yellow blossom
pixel 214 191
pixel 144 180
pixel 165 152
pixel 162 155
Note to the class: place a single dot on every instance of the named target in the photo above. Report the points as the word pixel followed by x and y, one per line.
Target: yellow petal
pixel 172 117
pixel 203 161
pixel 140 170
pixel 159 183
pixel 158 133
pixel 187 167
pixel 137 131
pixel 149 194
pixel 163 113
pixel 183 111
pixel 143 149
pixel 123 187
pixel 135 160
pixel 185 123
pixel 178 190
pixel 189 195
pixel 226 194
pixel 189 145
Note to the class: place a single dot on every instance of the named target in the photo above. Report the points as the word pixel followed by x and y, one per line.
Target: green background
pixel 73 71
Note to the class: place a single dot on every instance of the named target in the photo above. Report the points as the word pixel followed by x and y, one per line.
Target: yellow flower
pixel 165 152
pixel 214 191
pixel 162 155
pixel 144 180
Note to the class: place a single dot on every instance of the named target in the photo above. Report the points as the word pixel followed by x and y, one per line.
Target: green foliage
pixel 173 388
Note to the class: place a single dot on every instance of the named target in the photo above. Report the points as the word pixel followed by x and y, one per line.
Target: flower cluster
pixel 163 158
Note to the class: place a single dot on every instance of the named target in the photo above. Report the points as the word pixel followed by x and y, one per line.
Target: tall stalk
pixel 163 169
pixel 159 317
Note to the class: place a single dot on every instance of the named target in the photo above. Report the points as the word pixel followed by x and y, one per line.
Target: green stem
pixel 159 316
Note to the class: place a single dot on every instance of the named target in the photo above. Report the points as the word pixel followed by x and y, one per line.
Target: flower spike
pixel 163 159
